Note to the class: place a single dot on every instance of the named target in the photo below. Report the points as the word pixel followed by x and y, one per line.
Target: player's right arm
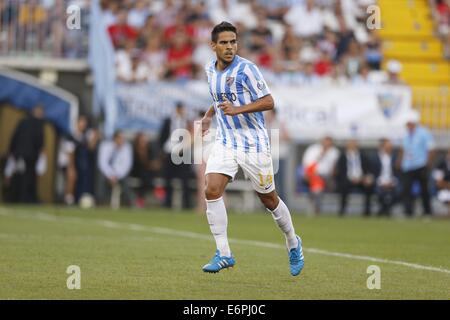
pixel 206 120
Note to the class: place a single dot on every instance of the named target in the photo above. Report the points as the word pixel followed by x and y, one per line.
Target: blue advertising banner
pixel 143 107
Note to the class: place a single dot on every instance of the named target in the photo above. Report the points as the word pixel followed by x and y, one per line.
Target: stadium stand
pixel 162 41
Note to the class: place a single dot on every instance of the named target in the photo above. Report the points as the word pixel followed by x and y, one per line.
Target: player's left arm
pixel 262 104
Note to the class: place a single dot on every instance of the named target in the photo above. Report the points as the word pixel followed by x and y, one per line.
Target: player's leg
pixel 258 167
pixel 216 212
pixel 281 216
pixel 220 169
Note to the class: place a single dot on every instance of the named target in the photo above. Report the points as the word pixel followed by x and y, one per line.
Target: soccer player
pixel 240 95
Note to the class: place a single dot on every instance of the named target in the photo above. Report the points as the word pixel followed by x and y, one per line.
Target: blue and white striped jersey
pixel 241 83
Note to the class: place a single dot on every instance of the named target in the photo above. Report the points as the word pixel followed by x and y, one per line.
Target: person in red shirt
pixel 323 66
pixel 179 57
pixel 180 26
pixel 120 32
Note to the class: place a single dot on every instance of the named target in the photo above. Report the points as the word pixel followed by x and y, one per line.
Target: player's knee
pixel 212 192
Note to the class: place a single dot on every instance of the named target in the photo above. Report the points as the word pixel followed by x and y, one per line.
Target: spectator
pixel 144 167
pixel 385 175
pixel 181 171
pixel 323 66
pixel 86 142
pixel 26 157
pixel 353 172
pixel 441 176
pixel 138 14
pixel 115 158
pixel 110 11
pixel 363 76
pixel 352 59
pixel 394 68
pixel 309 77
pixel 306 19
pixel 179 58
pixel 121 32
pixel 66 173
pixel 168 14
pixel 150 31
pixel 318 162
pixel 416 158
pixel 373 54
pixel 129 66
pixel 155 58
pixel 32 19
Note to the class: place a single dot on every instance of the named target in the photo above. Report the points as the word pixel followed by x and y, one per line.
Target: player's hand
pixel 228 108
pixel 205 123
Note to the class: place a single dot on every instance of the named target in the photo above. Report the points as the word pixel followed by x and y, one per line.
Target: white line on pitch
pixel 187 234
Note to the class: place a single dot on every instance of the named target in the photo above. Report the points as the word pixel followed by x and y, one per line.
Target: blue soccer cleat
pixel 218 263
pixel 296 258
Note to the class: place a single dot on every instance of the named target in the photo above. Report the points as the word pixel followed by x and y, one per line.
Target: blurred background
pixel 90 92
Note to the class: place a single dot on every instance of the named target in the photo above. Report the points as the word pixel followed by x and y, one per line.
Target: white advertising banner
pixel 363 112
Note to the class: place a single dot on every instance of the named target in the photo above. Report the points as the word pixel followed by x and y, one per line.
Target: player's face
pixel 226 46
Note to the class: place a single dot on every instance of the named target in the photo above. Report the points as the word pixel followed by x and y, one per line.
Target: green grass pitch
pixel 156 254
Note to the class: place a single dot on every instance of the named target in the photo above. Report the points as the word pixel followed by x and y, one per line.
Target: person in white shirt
pixel 115 158
pixel 138 14
pixel 318 163
pixel 306 19
pixel 385 175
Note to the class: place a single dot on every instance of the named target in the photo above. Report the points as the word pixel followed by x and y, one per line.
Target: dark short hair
pixel 222 27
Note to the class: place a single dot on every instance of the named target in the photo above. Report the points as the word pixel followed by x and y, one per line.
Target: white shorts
pixel 257 166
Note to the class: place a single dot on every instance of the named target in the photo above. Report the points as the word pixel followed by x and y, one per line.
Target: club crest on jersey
pixel 261 85
pixel 229 81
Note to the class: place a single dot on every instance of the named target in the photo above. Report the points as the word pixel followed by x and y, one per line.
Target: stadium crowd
pixel 294 42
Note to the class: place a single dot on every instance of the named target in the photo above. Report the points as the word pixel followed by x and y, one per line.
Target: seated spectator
pixel 323 65
pixel 121 32
pixel 373 53
pixel 130 67
pixel 155 58
pixel 353 172
pixel 363 76
pixel 115 158
pixel 441 176
pixel 318 162
pixel 394 68
pixel 180 27
pixel 385 175
pixel 306 19
pixel 144 167
pixel 179 58
pixel 352 60
pixel 31 21
pixel 138 14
